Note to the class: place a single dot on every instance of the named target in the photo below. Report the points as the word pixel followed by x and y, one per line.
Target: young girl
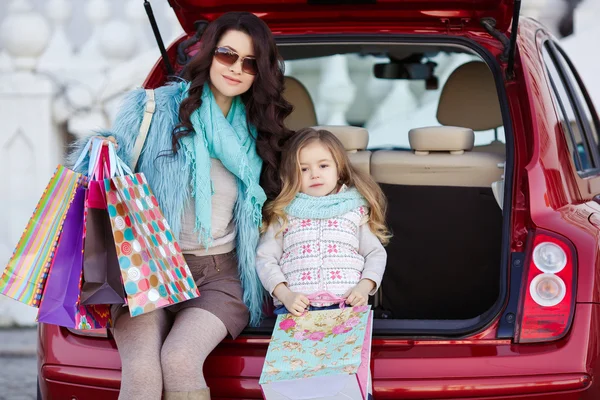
pixel 326 229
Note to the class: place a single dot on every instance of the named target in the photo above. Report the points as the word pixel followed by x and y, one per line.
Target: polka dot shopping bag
pixel 153 268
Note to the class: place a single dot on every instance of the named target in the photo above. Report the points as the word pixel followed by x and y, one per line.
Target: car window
pixel 387 108
pixel 576 112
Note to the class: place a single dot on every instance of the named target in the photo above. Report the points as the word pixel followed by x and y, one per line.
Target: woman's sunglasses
pixel 229 57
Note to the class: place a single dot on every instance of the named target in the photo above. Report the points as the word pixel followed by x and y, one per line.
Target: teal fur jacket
pixel 169 177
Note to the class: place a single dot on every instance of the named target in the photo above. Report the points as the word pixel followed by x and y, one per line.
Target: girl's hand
pixel 296 303
pixel 359 294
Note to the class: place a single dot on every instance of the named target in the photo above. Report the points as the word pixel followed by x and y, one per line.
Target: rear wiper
pixel 159 41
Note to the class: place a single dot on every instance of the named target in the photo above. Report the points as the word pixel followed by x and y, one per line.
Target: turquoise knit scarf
pixel 232 141
pixel 333 205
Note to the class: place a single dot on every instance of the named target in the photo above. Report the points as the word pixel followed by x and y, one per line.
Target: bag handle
pixel 105 167
pixel 120 168
pixel 84 153
pixel 95 157
pixel 327 296
pixel 144 128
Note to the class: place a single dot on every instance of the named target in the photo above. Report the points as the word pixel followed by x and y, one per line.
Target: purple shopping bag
pixel 60 298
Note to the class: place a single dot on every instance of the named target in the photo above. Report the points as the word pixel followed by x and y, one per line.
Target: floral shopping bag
pixel 154 271
pixel 321 354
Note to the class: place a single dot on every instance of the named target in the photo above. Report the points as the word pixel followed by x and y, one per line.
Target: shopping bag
pixel 99 167
pixel 60 301
pixel 321 354
pixel 61 293
pixel 153 268
pixel 93 316
pixel 101 275
pixel 25 275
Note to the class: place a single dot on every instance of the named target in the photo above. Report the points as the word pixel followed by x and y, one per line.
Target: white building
pixel 64 78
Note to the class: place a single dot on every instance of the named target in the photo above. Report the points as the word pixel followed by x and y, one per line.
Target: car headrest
pixel 470 98
pixel 453 139
pixel 304 114
pixel 352 137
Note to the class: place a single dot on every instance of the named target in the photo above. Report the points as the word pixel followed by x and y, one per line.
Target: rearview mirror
pixel 412 71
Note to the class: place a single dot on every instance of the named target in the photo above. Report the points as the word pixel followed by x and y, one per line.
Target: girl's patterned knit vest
pixel 322 254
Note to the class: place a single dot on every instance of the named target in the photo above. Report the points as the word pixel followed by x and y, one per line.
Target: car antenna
pixel 159 41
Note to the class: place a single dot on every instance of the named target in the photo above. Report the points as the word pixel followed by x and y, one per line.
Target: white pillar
pixel 118 42
pixel 89 74
pixel 377 91
pixel 336 91
pixel 128 67
pixel 29 145
pixel 136 16
pixel 389 121
pixel 58 57
pixel 91 57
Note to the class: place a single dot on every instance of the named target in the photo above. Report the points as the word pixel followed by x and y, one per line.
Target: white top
pixel 222 221
pixel 311 255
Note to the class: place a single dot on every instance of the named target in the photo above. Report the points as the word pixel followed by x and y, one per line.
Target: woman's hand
pixel 296 303
pixel 106 139
pixel 359 294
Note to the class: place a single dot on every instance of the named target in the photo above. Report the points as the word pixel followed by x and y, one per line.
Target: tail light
pixel 548 295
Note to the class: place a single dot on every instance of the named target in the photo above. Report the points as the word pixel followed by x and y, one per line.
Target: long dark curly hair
pixel 265 106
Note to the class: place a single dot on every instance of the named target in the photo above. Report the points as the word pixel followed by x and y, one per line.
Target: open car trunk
pixel 445 274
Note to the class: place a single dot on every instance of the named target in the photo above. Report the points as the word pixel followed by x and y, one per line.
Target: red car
pixel 491 289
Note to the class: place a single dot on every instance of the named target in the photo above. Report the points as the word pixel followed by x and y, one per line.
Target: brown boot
pixel 200 394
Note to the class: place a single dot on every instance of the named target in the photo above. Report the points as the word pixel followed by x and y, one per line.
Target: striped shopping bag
pixel 25 275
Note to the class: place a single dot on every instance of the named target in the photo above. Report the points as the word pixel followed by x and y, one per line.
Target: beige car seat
pixel 355 141
pixel 304 114
pixel 469 99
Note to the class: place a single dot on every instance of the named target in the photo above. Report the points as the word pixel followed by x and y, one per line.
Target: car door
pixel 580 126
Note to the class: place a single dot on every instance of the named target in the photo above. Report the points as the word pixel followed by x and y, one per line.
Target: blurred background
pixel 65 64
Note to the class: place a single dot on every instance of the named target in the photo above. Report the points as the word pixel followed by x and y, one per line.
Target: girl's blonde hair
pixel 291 179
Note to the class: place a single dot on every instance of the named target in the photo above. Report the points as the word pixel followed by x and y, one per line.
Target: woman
pixel 211 158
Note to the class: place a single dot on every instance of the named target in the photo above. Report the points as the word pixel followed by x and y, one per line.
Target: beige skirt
pixel 220 291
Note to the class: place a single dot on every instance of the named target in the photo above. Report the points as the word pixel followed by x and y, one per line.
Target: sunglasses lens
pixel 249 66
pixel 225 56
pixel 228 58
